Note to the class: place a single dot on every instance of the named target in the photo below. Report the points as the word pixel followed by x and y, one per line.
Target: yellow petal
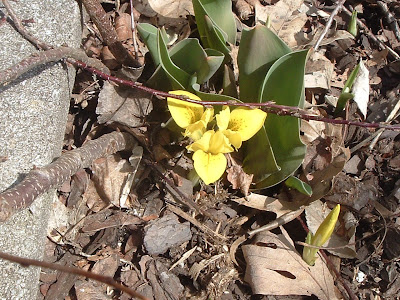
pixel 246 121
pixel 196 130
pixel 219 143
pixel 223 118
pixel 185 113
pixel 208 166
pixel 203 143
pixel 234 138
pixel 208 115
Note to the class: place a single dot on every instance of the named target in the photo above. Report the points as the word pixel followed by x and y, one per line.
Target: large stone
pixel 33 114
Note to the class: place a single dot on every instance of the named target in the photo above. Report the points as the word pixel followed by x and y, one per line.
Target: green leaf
pixel 221 16
pixel 192 58
pixel 215 37
pixel 301 186
pixel 149 35
pixel 178 79
pixel 346 95
pixel 352 28
pixel 259 48
pixel 284 84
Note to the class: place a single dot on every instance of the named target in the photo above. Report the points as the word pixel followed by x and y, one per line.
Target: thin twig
pixel 101 278
pixel 43 57
pixel 270 106
pixel 183 198
pixel 21 28
pixel 40 180
pixel 390 19
pixel 338 7
pixel 389 118
pixel 282 220
pixel 133 28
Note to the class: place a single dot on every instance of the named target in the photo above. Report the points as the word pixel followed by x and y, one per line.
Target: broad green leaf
pixel 346 95
pixel 174 73
pixel 284 84
pixel 192 58
pixel 177 79
pixel 220 13
pixel 301 186
pixel 259 49
pixel 149 35
pixel 215 37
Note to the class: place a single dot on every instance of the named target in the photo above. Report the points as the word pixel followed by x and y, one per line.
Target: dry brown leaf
pixel 286 19
pixel 280 270
pixel 239 179
pixel 265 203
pixel 166 8
pixel 319 71
pixel 109 176
pixel 126 106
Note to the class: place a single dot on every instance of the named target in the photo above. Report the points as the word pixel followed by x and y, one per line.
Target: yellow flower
pixel 210 146
pixel 323 233
pixel 190 116
pixel 209 159
pixel 240 124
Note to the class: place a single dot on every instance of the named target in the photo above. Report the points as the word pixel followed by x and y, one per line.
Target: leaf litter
pixel 109 237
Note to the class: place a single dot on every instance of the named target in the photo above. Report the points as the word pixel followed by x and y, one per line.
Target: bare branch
pixel 47 56
pixel 104 279
pixel 108 33
pixel 40 180
pixel 269 106
pixel 21 29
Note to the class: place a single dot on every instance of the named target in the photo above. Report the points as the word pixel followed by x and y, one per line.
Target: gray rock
pixel 33 114
pixel 165 233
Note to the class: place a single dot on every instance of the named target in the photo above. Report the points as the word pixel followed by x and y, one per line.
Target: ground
pixel 153 240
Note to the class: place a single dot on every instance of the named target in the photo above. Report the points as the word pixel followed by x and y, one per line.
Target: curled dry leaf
pixel 275 268
pixel 239 179
pixel 109 176
pixel 266 203
pixel 361 89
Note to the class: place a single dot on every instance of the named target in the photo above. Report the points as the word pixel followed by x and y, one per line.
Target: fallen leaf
pixel 125 106
pixel 361 89
pixel 280 270
pixel 166 8
pixel 265 203
pixel 239 179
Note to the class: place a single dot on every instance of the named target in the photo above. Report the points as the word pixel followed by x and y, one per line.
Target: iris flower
pixel 210 146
